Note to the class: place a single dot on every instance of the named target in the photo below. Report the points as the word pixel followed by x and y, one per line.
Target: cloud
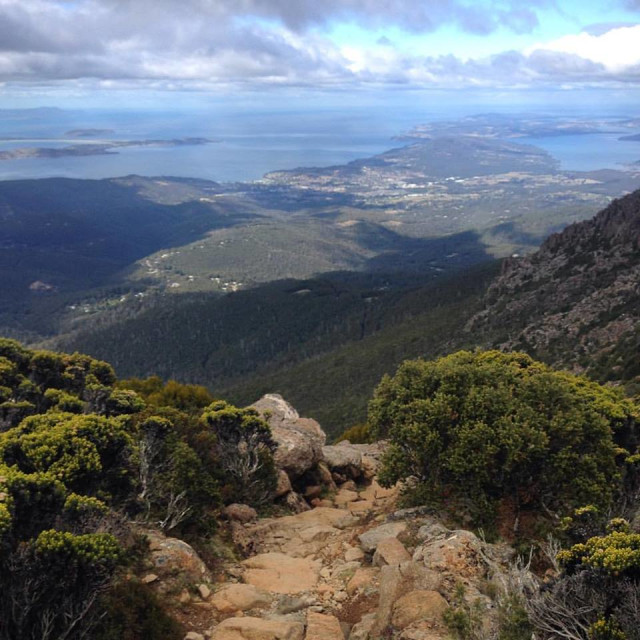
pixel 207 44
pixel 616 49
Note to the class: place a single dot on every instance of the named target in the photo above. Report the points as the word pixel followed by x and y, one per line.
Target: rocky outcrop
pixel 300 440
pixel 346 571
pixel 578 295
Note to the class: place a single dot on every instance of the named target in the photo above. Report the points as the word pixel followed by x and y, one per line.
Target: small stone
pixel 204 591
pixel 362 629
pixel 349 485
pixel 313 491
pixel 192 635
pixel 361 579
pixel 184 597
pixel 289 604
pixel 241 513
pixel 353 553
pixel 325 573
pixel 283 485
pixel 360 506
pixel 340 596
pixel 150 578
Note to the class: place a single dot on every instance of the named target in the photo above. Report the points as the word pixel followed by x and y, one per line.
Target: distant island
pixel 632 138
pixel 88 133
pixel 102 148
pixel 494 125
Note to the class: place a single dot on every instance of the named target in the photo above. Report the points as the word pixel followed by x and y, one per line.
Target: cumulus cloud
pixel 615 49
pixel 202 44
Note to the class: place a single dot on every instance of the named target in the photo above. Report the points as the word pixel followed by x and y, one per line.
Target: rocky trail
pixel 348 566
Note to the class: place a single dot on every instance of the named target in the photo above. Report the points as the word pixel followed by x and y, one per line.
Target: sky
pixel 101 50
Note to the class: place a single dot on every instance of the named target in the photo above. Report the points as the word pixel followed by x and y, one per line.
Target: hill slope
pixel 576 301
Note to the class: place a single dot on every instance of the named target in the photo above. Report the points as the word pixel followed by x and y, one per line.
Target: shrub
pixel 357 434
pixel 488 426
pixel 134 612
pixel 244 449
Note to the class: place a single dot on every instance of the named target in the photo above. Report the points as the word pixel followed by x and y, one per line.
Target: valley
pixel 286 282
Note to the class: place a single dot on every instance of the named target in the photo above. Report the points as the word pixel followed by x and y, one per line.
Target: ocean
pixel 250 143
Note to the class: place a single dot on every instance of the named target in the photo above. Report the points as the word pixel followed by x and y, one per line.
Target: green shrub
pixel 134 612
pixel 488 426
pixel 357 434
pixel 244 449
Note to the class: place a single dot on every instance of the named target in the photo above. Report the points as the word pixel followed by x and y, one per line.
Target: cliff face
pixel 575 300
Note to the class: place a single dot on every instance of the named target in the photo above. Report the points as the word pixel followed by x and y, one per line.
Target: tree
pixel 485 427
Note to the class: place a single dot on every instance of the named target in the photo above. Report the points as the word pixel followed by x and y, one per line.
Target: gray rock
pixel 343 459
pixel 299 440
pixel 369 539
pixel 362 630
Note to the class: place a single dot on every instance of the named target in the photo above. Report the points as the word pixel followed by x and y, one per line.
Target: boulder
pixel 390 551
pixel 240 513
pixel 323 627
pixel 397 580
pixel 247 628
pixel 173 558
pixel 343 458
pixel 240 597
pixel 462 555
pixel 416 606
pixel 344 496
pixel 299 440
pixel 280 573
pixel 369 540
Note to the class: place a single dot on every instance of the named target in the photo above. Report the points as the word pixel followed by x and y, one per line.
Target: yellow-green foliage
pixel 616 554
pixel 606 630
pixel 84 452
pixel 5 518
pixel 81 506
pixel 34 381
pixel 69 445
pixel 357 434
pixel 487 425
pixel 89 548
pixel 186 397
pixel 62 401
